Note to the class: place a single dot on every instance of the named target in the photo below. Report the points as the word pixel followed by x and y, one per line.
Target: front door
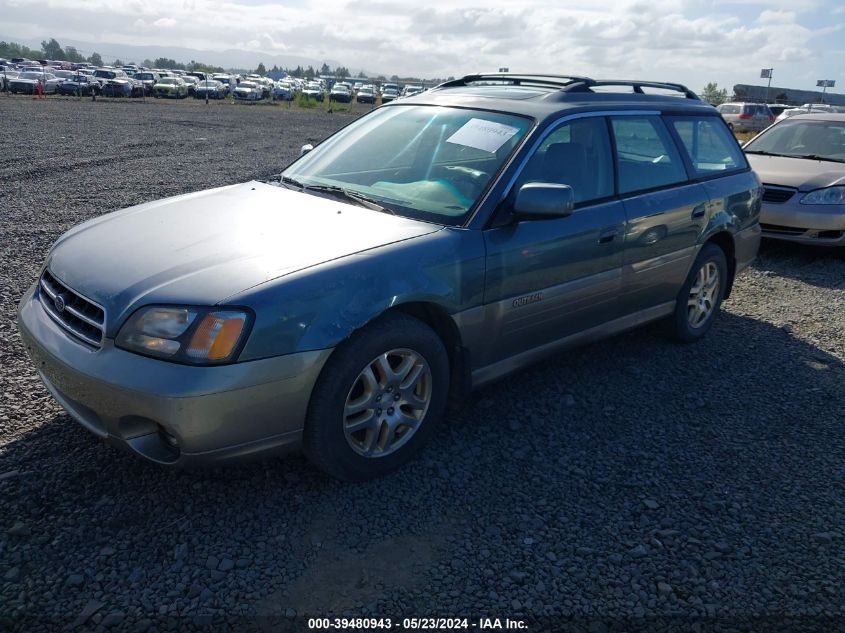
pixel 549 278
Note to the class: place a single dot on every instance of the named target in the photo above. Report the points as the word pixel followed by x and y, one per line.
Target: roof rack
pixel 588 84
pixel 566 83
pixel 551 81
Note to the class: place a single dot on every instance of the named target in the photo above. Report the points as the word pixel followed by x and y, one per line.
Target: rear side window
pixel 710 146
pixel 646 156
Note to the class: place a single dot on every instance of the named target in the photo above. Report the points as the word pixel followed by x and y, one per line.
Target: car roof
pixel 838 117
pixel 543 96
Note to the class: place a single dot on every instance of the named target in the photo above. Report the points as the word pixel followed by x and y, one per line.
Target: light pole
pixel 766 73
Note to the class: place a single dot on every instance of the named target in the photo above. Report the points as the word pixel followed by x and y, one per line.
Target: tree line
pixel 51 49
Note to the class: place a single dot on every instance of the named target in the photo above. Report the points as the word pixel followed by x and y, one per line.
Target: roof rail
pixel 587 84
pixel 551 81
pixel 566 83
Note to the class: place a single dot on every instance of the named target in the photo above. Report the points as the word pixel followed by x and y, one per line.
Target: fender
pixel 319 307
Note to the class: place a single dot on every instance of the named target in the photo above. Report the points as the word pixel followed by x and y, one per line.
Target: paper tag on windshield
pixel 487 136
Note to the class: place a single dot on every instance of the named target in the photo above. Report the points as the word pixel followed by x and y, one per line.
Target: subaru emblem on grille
pixel 59 302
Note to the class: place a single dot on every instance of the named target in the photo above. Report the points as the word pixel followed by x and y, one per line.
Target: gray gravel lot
pixel 631 484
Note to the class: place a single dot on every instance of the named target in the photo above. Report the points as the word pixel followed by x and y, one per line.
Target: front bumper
pixel 820 225
pixel 168 413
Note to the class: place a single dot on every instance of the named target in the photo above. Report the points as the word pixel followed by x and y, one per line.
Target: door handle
pixel 608 235
pixel 699 211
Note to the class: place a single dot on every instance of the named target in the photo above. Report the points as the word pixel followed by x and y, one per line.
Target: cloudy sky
pixel 688 41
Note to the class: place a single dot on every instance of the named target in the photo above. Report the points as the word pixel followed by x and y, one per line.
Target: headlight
pixel 199 336
pixel 829 195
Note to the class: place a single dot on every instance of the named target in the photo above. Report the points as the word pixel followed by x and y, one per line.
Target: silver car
pixel 801 161
pixel 746 117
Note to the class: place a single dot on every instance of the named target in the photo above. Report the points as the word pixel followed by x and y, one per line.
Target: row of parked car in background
pixel 743 117
pixel 28 77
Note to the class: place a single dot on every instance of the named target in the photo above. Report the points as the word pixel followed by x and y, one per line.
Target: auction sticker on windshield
pixel 487 136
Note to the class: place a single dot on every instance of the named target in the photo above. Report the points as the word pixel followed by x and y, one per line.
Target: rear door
pixel 665 212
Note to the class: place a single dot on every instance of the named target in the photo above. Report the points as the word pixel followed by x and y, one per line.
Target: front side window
pixel 426 162
pixel 710 146
pixel 577 154
pixel 646 156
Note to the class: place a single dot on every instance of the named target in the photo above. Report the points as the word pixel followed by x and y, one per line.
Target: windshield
pixel 30 75
pixel 823 139
pixel 107 74
pixel 247 84
pixel 168 80
pixel 424 162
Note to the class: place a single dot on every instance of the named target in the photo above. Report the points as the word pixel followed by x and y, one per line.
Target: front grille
pixel 777 195
pixel 81 317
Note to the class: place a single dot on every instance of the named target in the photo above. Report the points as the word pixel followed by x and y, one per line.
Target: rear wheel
pixel 700 298
pixel 378 399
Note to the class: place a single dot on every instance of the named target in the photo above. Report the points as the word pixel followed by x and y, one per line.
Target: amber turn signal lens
pixel 217 336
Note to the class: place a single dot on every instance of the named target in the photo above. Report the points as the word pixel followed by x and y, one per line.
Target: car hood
pixel 200 248
pixel 802 173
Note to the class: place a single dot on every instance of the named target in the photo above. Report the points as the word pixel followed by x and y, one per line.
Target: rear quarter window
pixel 729 109
pixel 710 147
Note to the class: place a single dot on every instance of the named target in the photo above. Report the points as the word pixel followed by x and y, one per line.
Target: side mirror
pixel 544 200
pixel 305 149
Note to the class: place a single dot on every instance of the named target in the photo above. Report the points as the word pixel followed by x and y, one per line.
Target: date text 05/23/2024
pixel 417 624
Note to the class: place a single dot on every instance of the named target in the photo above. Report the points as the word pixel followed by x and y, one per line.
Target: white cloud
pixel 689 41
pixel 776 17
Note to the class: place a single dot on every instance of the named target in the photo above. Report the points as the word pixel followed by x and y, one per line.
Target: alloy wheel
pixel 703 295
pixel 387 403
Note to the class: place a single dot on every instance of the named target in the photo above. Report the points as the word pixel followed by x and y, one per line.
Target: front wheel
pixel 701 296
pixel 378 399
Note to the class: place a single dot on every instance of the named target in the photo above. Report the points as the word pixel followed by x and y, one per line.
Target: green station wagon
pixel 429 247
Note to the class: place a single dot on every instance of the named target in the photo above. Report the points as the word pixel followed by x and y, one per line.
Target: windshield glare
pixel 803 138
pixel 425 162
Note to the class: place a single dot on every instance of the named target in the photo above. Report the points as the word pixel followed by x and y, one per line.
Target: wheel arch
pixel 439 320
pixel 725 241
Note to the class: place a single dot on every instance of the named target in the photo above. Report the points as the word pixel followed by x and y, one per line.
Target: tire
pixel 354 375
pixel 691 321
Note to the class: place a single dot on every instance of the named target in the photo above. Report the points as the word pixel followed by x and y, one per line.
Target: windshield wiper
pixel 763 152
pixel 817 157
pixel 340 192
pixel 287 180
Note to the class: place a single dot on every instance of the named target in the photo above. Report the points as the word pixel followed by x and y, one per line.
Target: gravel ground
pixel 631 484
